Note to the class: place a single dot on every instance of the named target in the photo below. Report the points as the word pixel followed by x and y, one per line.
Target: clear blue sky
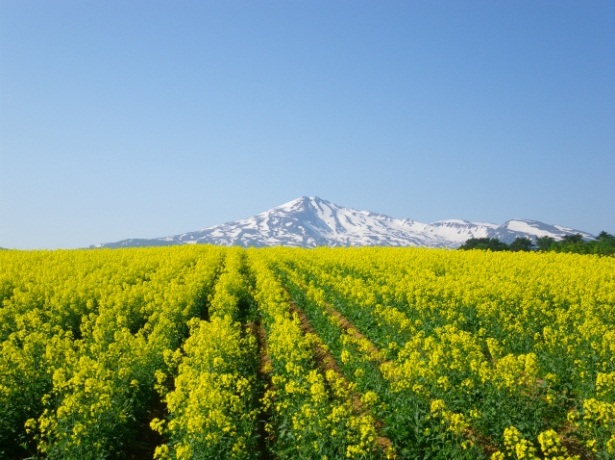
pixel 123 119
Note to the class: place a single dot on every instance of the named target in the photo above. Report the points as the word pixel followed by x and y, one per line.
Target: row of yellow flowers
pixel 311 413
pixel 212 405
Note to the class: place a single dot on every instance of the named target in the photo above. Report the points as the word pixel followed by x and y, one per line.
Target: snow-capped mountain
pixel 312 221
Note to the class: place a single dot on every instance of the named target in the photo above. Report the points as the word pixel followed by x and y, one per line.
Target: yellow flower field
pixel 205 352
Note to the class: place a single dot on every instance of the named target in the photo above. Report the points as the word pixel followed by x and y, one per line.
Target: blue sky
pixel 123 119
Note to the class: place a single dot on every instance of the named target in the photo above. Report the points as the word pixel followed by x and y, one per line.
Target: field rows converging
pixel 206 352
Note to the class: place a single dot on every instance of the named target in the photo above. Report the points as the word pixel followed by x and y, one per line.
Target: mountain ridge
pixel 310 221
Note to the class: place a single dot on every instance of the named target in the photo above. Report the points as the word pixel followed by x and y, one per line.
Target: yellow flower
pixel 369 398
pixel 183 451
pixel 437 405
pixel 157 425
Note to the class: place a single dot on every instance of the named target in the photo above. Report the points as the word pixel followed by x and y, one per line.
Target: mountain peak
pixel 304 201
pixel 310 221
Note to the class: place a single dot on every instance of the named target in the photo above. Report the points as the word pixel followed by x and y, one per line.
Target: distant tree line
pixel 604 244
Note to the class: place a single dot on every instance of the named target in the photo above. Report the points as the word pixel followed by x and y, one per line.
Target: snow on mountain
pixel 312 221
pixel 532 229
